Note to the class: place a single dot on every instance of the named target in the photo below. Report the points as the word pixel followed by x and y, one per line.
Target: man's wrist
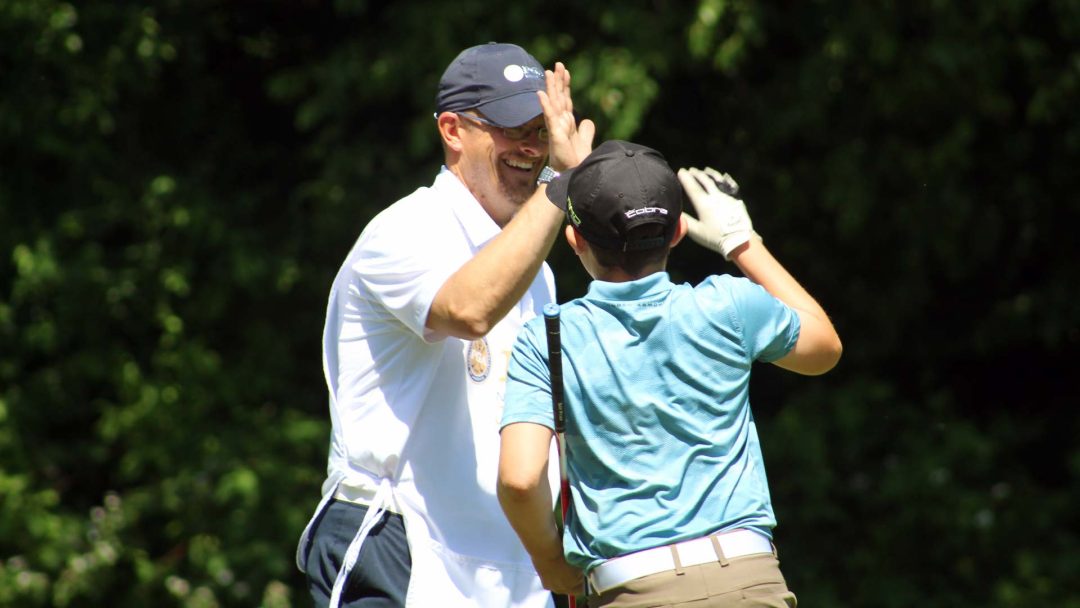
pixel 546 175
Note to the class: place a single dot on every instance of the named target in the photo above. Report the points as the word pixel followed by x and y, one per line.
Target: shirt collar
pixel 654 284
pixel 478 226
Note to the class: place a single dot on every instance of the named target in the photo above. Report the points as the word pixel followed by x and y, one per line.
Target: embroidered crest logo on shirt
pixel 478 360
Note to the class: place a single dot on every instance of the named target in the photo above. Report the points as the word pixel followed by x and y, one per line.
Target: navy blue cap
pixel 619 186
pixel 498 80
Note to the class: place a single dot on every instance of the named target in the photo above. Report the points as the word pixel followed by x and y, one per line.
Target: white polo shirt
pixel 423 410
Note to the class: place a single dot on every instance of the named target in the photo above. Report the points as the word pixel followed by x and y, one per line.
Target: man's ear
pixel 576 241
pixel 450 130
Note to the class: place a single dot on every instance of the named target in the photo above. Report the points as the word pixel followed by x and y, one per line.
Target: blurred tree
pixel 179 181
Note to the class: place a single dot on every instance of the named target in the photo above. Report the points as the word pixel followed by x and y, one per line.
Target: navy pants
pixel 381 575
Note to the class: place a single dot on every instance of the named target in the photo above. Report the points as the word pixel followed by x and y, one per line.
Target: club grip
pixel 554 343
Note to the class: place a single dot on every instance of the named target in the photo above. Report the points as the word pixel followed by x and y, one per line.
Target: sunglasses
pixel 511 133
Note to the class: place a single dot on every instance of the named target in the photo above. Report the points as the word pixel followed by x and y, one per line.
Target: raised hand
pixel 569 142
pixel 723 223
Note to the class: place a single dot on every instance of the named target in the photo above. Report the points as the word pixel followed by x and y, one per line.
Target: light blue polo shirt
pixel 662 446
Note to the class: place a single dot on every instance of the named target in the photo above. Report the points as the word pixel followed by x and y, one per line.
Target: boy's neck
pixel 618 275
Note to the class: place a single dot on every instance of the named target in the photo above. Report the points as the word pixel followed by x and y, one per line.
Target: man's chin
pixel 518 196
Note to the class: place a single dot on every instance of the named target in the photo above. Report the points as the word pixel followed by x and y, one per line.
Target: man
pixel 420 322
pixel 670 504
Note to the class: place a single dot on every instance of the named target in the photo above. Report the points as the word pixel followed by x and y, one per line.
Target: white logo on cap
pixel 645 210
pixel 513 73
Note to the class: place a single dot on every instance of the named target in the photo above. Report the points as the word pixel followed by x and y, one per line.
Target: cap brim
pixel 558 189
pixel 513 110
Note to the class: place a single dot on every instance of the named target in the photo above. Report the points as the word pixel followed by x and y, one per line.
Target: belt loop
pixel 775 553
pixel 719 552
pixel 675 557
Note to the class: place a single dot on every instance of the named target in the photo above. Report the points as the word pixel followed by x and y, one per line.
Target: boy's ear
pixel 681 230
pixel 576 241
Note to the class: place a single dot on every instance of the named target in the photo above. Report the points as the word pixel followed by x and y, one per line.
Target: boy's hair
pixel 633 262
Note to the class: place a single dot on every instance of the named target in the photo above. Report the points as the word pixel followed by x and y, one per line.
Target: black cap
pixel 620 186
pixel 498 80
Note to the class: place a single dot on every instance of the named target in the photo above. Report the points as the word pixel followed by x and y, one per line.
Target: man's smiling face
pixel 501 172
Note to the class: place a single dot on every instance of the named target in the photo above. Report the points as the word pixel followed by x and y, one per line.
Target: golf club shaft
pixel 554 342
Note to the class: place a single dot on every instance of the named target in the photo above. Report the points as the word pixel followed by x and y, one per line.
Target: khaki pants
pixel 752 581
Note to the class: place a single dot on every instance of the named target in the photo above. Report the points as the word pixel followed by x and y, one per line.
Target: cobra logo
pixel 644 210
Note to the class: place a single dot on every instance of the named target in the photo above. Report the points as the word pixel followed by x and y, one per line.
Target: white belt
pixel 615 572
pixel 364 497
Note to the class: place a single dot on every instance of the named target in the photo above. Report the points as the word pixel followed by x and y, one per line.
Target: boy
pixel 670 503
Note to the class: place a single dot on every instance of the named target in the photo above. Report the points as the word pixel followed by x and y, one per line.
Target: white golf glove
pixel 722 223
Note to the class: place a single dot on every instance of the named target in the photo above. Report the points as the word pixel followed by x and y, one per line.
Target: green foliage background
pixel 180 180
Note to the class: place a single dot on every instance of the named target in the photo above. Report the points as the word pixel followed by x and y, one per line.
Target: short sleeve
pixel 528 383
pixel 769 327
pixel 402 266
